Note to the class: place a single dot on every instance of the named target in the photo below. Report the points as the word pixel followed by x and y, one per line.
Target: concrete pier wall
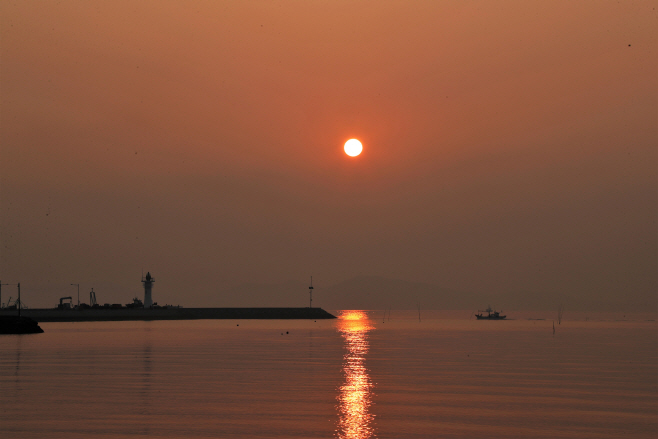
pixel 100 315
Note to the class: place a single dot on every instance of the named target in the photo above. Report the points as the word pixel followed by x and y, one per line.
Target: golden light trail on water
pixel 354 418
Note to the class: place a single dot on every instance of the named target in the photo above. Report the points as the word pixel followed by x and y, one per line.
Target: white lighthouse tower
pixel 148 285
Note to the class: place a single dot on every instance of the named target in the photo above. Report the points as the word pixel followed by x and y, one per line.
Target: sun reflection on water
pixel 354 418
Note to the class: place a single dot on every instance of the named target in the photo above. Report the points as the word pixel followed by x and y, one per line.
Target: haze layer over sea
pixel 365 375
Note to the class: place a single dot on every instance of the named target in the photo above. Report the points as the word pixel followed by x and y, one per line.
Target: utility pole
pixel 310 293
pixel 78 285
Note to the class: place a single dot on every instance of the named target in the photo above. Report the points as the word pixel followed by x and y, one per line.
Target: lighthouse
pixel 148 285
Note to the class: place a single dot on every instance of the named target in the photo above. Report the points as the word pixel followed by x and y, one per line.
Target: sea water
pixel 366 375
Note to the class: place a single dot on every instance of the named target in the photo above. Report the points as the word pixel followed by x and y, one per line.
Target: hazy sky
pixel 508 146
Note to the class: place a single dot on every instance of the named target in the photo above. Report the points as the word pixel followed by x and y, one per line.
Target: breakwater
pixel 18 325
pixel 102 315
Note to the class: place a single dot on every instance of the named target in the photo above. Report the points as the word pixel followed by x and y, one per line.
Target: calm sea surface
pixel 356 377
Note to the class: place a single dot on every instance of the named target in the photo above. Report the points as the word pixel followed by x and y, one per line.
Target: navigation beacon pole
pixel 310 294
pixel 148 284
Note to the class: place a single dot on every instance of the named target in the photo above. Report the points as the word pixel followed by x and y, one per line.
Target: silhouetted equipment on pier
pixel 16 304
pixel 65 302
pixel 136 303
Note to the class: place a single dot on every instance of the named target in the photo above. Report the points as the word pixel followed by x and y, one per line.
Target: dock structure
pixel 149 310
pixel 173 313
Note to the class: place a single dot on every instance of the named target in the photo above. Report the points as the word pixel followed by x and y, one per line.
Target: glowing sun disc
pixel 353 147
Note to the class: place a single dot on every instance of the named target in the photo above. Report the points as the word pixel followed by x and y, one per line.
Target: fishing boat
pixel 491 314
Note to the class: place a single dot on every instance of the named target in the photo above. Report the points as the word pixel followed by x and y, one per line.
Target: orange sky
pixel 508 146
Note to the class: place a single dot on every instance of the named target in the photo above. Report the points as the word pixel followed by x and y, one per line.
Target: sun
pixel 353 147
